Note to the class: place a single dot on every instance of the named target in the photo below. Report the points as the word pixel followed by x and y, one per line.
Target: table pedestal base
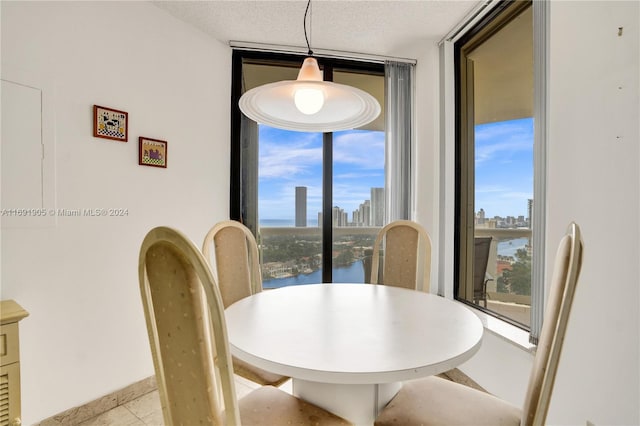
pixel 359 404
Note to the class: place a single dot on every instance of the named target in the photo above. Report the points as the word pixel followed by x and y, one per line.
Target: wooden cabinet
pixel 10 314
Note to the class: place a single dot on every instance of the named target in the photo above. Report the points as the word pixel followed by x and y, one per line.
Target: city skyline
pixel 504 167
pixel 368 213
pixel 503 154
pixel 288 159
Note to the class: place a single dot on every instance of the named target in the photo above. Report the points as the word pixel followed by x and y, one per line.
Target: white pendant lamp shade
pixel 309 104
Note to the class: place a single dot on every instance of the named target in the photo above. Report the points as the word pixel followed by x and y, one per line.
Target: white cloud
pixel 358 175
pixel 490 189
pixel 288 158
pixel 498 140
pixel 364 149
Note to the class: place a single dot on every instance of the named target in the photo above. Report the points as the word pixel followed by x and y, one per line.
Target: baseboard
pixel 74 416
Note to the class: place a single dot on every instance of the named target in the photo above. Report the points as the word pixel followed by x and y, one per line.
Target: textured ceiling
pixel 373 27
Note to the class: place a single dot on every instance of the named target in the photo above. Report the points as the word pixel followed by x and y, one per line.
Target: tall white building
pixel 362 216
pixel 339 216
pixel 377 207
pixel 301 206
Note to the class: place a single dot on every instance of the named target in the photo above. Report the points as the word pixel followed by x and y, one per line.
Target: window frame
pixel 463 220
pixel 327 65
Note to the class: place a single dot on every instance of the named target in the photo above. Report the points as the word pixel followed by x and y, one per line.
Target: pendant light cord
pixel 304 24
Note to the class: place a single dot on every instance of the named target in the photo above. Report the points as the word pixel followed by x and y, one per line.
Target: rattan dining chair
pixel 407 250
pixel 186 324
pixel 436 401
pixel 232 252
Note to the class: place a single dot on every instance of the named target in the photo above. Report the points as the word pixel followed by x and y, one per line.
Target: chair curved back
pixel 235 260
pixel 482 246
pixel 404 242
pixel 185 316
pixel 568 262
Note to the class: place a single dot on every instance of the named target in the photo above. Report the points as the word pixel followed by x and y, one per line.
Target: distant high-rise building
pixel 529 210
pixel 365 213
pixel 480 217
pixel 319 219
pixel 362 216
pixel 301 206
pixel 377 207
pixel 339 216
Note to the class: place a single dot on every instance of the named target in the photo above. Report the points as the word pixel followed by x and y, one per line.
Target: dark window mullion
pixel 327 207
pixel 327 196
pixel 235 191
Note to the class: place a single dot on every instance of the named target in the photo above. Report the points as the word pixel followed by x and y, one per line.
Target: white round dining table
pixel 348 347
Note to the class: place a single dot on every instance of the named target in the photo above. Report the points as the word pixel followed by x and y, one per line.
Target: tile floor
pixel 146 410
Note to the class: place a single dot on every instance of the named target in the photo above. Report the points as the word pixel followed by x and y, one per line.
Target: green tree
pixel 502 284
pixel 518 279
pixel 345 257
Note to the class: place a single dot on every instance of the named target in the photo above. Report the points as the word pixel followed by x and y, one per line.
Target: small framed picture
pixel 110 123
pixel 153 152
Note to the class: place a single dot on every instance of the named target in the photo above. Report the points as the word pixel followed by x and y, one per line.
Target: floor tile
pixel 242 389
pixel 287 386
pixel 147 411
pixel 145 405
pixel 154 419
pixel 117 416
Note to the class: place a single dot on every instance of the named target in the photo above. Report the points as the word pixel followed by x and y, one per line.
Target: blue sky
pixel 504 169
pixel 289 159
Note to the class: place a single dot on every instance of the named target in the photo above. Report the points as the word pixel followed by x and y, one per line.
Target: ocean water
pixel 510 247
pixel 285 223
pixel 353 273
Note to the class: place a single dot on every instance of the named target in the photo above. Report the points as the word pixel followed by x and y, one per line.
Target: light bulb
pixel 308 100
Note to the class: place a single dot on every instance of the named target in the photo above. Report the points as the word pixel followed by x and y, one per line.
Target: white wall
pixel 85 336
pixel 593 179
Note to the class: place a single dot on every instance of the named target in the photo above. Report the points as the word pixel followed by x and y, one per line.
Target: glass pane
pixel 358 187
pixel 358 199
pixel 503 196
pixel 289 197
pixel 288 188
pixel 503 145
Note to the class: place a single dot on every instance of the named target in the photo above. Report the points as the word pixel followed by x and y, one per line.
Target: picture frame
pixel 152 152
pixel 109 123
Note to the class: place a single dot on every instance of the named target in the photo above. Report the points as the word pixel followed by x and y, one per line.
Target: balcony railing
pixel 293 255
pixel 508 304
pixel 338 231
pixel 505 303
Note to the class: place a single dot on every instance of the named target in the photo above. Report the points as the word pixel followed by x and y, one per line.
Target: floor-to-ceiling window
pixel 495 162
pixel 315 201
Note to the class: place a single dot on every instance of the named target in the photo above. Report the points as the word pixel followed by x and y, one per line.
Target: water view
pixel 353 273
pixel 511 246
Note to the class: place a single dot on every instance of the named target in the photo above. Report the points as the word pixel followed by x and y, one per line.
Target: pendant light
pixel 309 104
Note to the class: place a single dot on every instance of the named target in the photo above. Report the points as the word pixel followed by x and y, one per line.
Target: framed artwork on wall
pixel 110 123
pixel 152 152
